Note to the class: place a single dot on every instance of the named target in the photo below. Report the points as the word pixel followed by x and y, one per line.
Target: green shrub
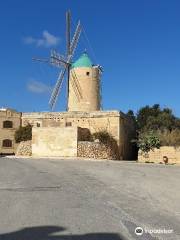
pixel 148 141
pixel 23 134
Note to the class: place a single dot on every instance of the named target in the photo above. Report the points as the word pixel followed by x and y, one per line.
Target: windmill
pixel 64 63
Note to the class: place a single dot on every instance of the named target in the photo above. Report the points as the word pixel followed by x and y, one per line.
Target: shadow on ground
pixel 53 233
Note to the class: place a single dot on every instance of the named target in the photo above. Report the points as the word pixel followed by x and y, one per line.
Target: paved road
pixel 43 199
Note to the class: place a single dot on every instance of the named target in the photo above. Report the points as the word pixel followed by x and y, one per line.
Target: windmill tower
pixel 83 78
pixel 88 77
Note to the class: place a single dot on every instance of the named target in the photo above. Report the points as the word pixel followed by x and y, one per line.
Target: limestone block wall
pixel 54 142
pixel 35 119
pixel 94 121
pixel 156 156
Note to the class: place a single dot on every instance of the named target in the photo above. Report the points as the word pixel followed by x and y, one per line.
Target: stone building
pixel 114 122
pixel 10 120
pixel 66 123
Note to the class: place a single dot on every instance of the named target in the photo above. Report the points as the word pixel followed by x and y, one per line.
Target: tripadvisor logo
pixel 139 231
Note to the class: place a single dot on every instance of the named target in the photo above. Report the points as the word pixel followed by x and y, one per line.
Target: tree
pixel 155 118
pixel 23 134
pixel 131 115
pixel 155 127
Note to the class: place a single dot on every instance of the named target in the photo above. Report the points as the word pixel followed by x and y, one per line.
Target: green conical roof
pixel 83 61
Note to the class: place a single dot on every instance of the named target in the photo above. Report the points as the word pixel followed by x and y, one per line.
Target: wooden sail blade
pixel 57 88
pixel 44 60
pixel 57 61
pixel 75 39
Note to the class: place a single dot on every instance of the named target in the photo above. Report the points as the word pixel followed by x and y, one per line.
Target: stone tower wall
pixel 87 80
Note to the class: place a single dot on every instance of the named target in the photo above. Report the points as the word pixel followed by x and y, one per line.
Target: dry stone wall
pixel 95 150
pixel 24 148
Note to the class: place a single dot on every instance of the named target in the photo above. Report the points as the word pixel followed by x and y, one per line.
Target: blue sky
pixel 136 42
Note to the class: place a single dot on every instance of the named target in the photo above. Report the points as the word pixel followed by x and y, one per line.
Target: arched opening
pixel 7 143
pixel 7 124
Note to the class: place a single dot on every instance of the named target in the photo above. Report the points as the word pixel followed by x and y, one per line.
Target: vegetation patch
pixel 156 127
pixel 23 134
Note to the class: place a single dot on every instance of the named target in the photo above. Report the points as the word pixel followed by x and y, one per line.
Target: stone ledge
pixel 73 114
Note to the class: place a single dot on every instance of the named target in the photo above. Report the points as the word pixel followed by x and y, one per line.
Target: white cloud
pixel 47 40
pixel 28 40
pixel 38 87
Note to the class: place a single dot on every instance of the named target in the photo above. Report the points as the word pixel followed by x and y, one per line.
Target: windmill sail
pixel 58 60
pixel 75 39
pixel 64 62
pixel 57 89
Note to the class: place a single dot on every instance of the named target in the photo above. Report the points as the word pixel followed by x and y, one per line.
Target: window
pixel 7 124
pixel 7 143
pixel 38 124
pixel 68 124
pixel 87 73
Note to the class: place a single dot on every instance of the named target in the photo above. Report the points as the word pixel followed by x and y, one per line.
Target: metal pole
pixel 68 43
